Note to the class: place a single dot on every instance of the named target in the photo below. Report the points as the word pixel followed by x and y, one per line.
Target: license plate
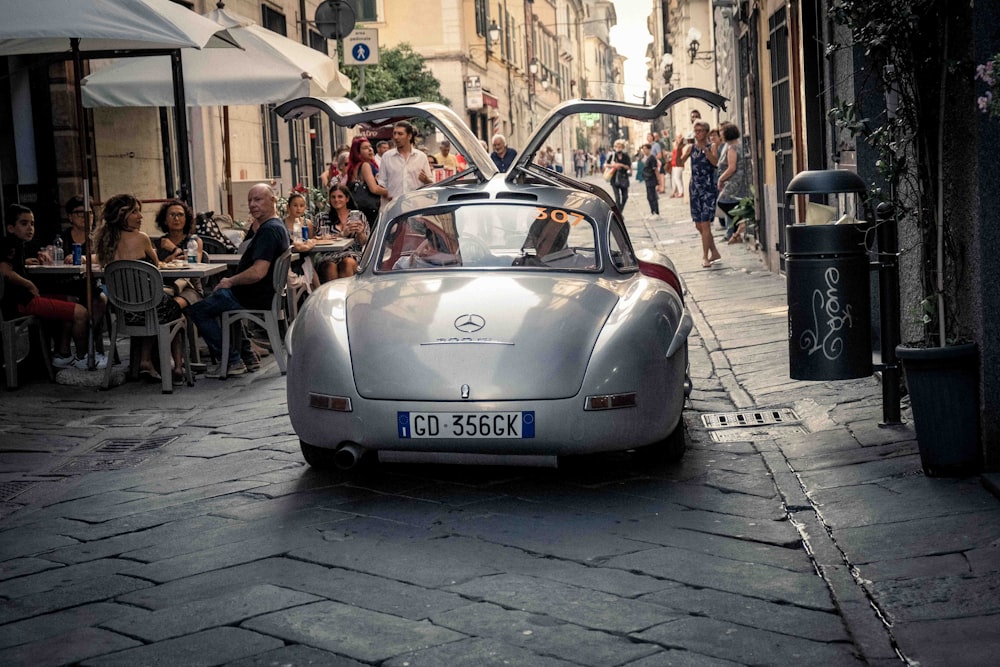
pixel 466 425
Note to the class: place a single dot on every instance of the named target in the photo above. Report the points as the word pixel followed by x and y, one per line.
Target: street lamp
pixel 494 31
pixel 533 66
pixel 667 67
pixel 694 41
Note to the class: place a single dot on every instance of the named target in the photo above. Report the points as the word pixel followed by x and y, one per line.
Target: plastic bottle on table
pixel 58 253
pixel 192 250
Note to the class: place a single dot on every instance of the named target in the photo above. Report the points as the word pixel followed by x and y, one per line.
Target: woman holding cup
pixel 344 222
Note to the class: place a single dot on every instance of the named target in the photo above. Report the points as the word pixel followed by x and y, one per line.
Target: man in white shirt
pixel 404 168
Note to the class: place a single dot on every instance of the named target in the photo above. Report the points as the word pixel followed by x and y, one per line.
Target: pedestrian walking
pixel 622 165
pixel 652 178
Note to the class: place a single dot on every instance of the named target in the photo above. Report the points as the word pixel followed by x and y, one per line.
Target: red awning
pixel 490 101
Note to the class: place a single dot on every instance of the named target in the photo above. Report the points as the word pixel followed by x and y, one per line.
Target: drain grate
pixel 114 454
pixel 749 418
pixel 748 434
pixel 11 490
pixel 136 445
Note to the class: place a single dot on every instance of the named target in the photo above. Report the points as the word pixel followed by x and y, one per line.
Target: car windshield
pixel 512 236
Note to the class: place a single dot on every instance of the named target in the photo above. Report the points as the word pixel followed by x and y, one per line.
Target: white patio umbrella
pixel 81 29
pixel 269 68
pixel 48 26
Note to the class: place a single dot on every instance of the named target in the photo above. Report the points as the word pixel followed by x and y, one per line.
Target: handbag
pixel 609 173
pixel 363 197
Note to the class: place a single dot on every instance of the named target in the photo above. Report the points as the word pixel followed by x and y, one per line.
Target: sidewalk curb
pixel 866 626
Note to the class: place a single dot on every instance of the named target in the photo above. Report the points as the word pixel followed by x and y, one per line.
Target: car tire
pixel 317 457
pixel 669 450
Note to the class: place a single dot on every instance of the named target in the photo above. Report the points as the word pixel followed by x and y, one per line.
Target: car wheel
pixel 668 450
pixel 317 457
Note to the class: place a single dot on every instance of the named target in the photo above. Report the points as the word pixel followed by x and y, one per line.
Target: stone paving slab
pixel 190 617
pixel 356 633
pixel 59 624
pixel 93 590
pixel 211 647
pixel 748 645
pixel 653 532
pixel 960 642
pixel 71 648
pixel 822 626
pixel 543 635
pixel 591 609
pixel 740 577
pixel 474 653
pixel 295 655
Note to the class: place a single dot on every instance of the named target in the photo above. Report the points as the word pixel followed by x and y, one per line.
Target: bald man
pixel 252 284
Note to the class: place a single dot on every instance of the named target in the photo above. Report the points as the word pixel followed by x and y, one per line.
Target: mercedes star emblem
pixel 469 323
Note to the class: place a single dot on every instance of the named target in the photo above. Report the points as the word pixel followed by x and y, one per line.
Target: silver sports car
pixel 499 318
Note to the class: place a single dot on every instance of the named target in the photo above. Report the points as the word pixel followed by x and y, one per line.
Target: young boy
pixel 21 296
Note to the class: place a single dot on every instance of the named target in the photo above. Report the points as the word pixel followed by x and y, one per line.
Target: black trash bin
pixel 828 282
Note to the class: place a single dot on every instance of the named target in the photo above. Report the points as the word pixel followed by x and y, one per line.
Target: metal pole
pixel 180 119
pixel 83 147
pixel 888 285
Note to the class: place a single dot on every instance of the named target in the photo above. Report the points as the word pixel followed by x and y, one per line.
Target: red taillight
pixel 661 272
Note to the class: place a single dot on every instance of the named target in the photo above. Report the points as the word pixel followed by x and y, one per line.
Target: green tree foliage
pixel 401 73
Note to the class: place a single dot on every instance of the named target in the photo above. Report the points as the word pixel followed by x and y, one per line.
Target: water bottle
pixel 192 250
pixel 296 228
pixel 58 254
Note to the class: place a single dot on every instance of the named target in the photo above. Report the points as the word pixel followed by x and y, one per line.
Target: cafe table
pixel 169 270
pixel 176 269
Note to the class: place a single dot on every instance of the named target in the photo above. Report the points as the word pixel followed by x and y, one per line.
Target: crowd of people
pixel 362 178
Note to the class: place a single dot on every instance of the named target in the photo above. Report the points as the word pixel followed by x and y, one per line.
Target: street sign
pixel 335 19
pixel 361 47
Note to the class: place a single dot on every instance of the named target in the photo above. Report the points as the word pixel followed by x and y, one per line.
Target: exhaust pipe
pixel 347 456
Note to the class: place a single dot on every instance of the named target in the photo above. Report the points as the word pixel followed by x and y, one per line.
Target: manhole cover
pixel 749 418
pixel 98 463
pixel 11 490
pixel 114 454
pixel 748 434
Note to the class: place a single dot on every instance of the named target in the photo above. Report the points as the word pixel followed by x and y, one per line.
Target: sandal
pixel 705 264
pixel 149 375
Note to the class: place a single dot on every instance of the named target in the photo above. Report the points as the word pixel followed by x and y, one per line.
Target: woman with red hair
pixel 361 181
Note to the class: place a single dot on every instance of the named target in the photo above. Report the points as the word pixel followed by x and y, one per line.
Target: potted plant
pixel 917 53
pixel 744 216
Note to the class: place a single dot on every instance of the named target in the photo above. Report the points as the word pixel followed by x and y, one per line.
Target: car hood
pixel 511 337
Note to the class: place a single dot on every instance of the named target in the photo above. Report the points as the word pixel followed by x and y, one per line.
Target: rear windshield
pixel 512 236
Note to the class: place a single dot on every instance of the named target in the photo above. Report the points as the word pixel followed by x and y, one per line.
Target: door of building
pixel 781 106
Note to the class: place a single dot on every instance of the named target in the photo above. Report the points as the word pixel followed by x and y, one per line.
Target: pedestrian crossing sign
pixel 361 47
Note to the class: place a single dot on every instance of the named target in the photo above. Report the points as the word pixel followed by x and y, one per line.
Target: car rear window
pixel 510 236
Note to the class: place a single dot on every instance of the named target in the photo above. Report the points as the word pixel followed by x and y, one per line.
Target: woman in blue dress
pixel 703 190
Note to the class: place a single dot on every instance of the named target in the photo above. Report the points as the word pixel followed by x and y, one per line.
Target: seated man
pixel 252 285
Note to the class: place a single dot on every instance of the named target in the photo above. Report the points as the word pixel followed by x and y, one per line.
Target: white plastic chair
pixel 16 339
pixel 137 287
pixel 267 319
